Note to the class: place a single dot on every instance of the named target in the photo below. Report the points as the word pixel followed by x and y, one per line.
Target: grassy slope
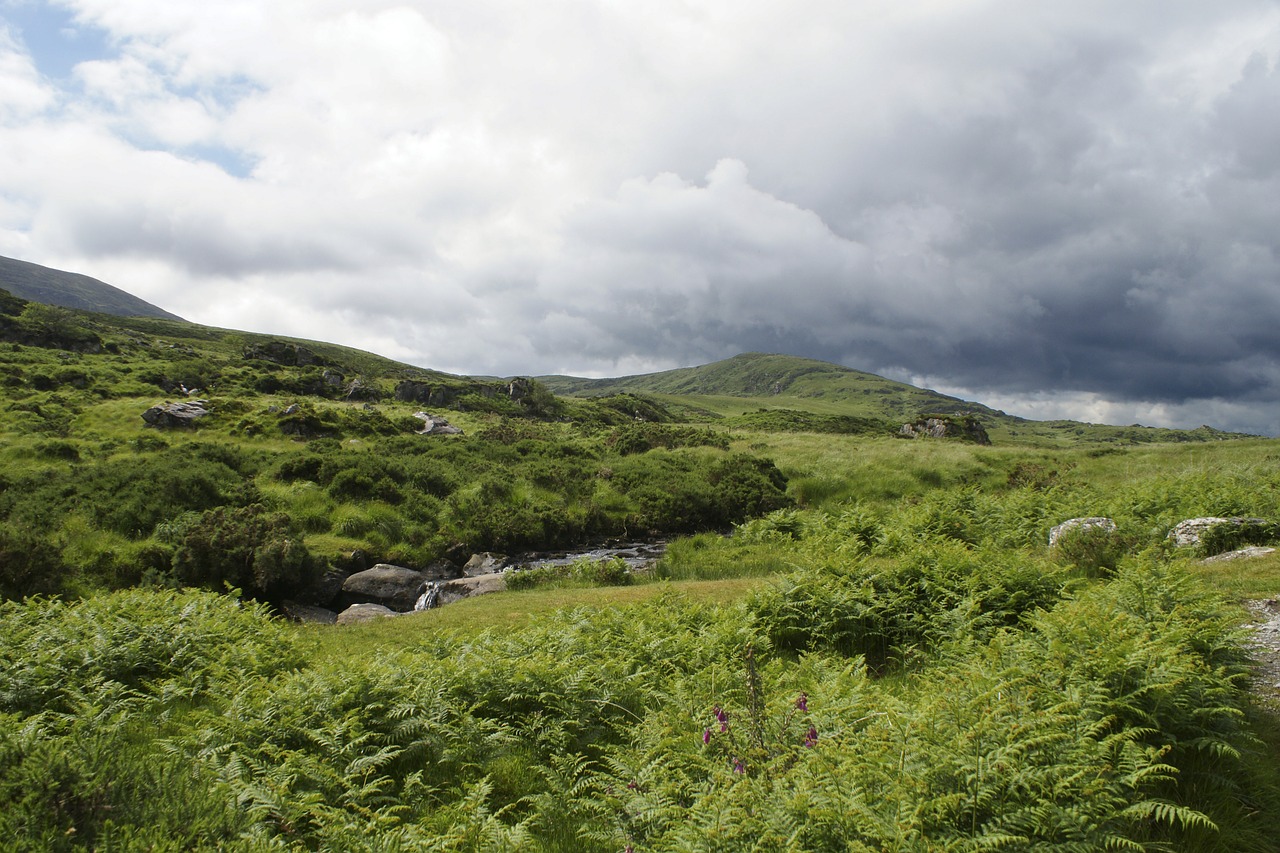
pixel 753 381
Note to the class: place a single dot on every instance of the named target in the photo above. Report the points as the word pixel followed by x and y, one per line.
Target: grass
pixel 1241 580
pixel 504 612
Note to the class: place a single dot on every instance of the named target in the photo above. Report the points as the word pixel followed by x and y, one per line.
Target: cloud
pixel 1066 208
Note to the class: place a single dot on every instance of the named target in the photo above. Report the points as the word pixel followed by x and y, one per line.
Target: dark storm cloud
pixel 1069 208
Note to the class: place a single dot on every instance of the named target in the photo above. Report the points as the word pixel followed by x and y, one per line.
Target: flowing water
pixel 639 557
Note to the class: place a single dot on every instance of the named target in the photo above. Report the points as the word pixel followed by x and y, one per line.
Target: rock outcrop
pixel 435 425
pixel 1249 553
pixel 1090 523
pixel 285 353
pixel 176 414
pixel 1189 533
pixel 946 426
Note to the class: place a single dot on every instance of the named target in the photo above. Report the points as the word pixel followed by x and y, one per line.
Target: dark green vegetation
pixel 72 290
pixel 884 655
pixel 310 453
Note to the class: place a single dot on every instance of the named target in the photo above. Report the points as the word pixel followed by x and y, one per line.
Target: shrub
pixel 246 548
pixel 1096 551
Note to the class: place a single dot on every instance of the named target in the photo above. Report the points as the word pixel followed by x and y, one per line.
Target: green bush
pixel 581 572
pixel 244 548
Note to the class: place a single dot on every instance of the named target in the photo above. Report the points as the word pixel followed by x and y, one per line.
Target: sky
pixel 1063 210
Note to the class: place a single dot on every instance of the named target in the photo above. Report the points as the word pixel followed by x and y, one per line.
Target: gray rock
pixel 364 613
pixel 1189 532
pixel 484 563
pixel 435 425
pixel 966 428
pixel 176 414
pixel 395 587
pixel 308 613
pixel 1242 554
pixel 1090 523
pixel 441 570
pixel 456 590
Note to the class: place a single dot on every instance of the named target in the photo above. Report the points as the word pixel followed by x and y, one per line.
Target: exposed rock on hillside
pixel 176 414
pixel 1249 553
pixel 1191 532
pixel 937 426
pixel 1071 524
pixel 435 425
pixel 285 353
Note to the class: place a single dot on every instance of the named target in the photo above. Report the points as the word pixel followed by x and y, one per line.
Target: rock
pixel 392 586
pixel 966 428
pixel 435 425
pixel 442 570
pixel 332 378
pixel 363 613
pixel 456 590
pixel 282 352
pixel 1242 554
pixel 296 612
pixel 485 563
pixel 176 414
pixel 326 589
pixel 1090 523
pixel 1189 532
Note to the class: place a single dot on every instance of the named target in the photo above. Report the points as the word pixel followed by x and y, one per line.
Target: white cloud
pixel 1074 200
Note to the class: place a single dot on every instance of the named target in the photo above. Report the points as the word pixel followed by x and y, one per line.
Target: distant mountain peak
pixel 37 283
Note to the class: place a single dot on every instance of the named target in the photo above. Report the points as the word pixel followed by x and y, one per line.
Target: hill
pixel 790 393
pixel 73 290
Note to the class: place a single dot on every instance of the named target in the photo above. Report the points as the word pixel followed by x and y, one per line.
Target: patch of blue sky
pixel 235 163
pixel 56 41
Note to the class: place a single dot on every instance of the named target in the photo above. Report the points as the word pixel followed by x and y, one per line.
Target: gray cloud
pixel 1061 210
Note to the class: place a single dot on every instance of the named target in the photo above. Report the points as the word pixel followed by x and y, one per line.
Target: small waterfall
pixel 429 596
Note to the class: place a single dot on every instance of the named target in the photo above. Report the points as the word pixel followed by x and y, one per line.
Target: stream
pixel 639 557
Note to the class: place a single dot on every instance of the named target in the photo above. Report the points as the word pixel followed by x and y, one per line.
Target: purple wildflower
pixel 706 736
pixel 720 715
pixel 738 766
pixel 802 702
pixel 811 739
pixel 633 786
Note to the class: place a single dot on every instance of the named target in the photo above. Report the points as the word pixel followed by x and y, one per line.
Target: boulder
pixel 1090 523
pixel 435 425
pixel 296 612
pixel 176 414
pixel 456 590
pixel 363 613
pixel 966 428
pixel 1188 533
pixel 484 563
pixel 395 587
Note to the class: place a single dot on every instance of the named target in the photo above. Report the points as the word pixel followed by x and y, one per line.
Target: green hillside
pixel 789 393
pixel 852 642
pixel 72 290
